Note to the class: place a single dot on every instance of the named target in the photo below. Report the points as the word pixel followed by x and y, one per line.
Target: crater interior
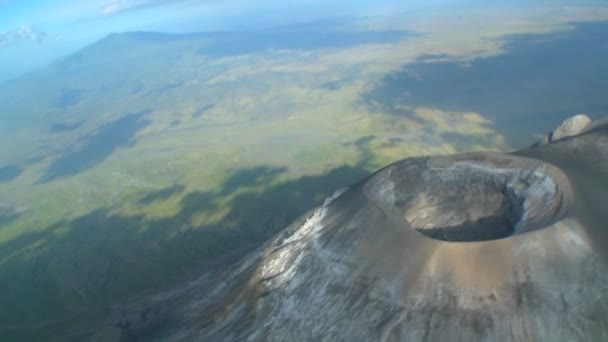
pixel 475 200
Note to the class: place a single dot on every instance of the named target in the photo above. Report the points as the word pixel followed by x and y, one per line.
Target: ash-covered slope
pixel 471 247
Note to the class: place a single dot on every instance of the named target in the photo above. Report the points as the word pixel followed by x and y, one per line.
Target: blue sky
pixel 35 32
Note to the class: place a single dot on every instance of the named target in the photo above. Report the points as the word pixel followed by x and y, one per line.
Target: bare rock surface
pixel 570 127
pixel 470 247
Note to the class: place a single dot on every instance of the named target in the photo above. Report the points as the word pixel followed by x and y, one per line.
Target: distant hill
pixel 122 63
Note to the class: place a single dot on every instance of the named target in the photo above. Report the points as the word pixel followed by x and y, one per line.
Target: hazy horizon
pixel 46 31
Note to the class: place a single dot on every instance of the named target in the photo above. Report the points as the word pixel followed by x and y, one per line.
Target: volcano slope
pixel 470 247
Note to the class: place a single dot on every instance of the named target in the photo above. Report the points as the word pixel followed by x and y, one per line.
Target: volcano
pixel 468 247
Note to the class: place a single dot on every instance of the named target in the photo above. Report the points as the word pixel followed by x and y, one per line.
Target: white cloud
pixel 110 9
pixel 24 33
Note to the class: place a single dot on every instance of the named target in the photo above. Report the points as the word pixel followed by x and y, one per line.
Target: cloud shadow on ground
pixel 537 82
pixel 96 148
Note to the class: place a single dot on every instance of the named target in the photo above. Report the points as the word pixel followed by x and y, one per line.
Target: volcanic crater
pixel 474 197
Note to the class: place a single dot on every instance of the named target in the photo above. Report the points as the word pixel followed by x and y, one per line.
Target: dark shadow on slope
pixel 9 173
pixel 95 148
pixel 72 279
pixel 162 194
pixel 537 82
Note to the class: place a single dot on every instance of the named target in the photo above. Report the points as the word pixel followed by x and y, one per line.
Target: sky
pixel 35 32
